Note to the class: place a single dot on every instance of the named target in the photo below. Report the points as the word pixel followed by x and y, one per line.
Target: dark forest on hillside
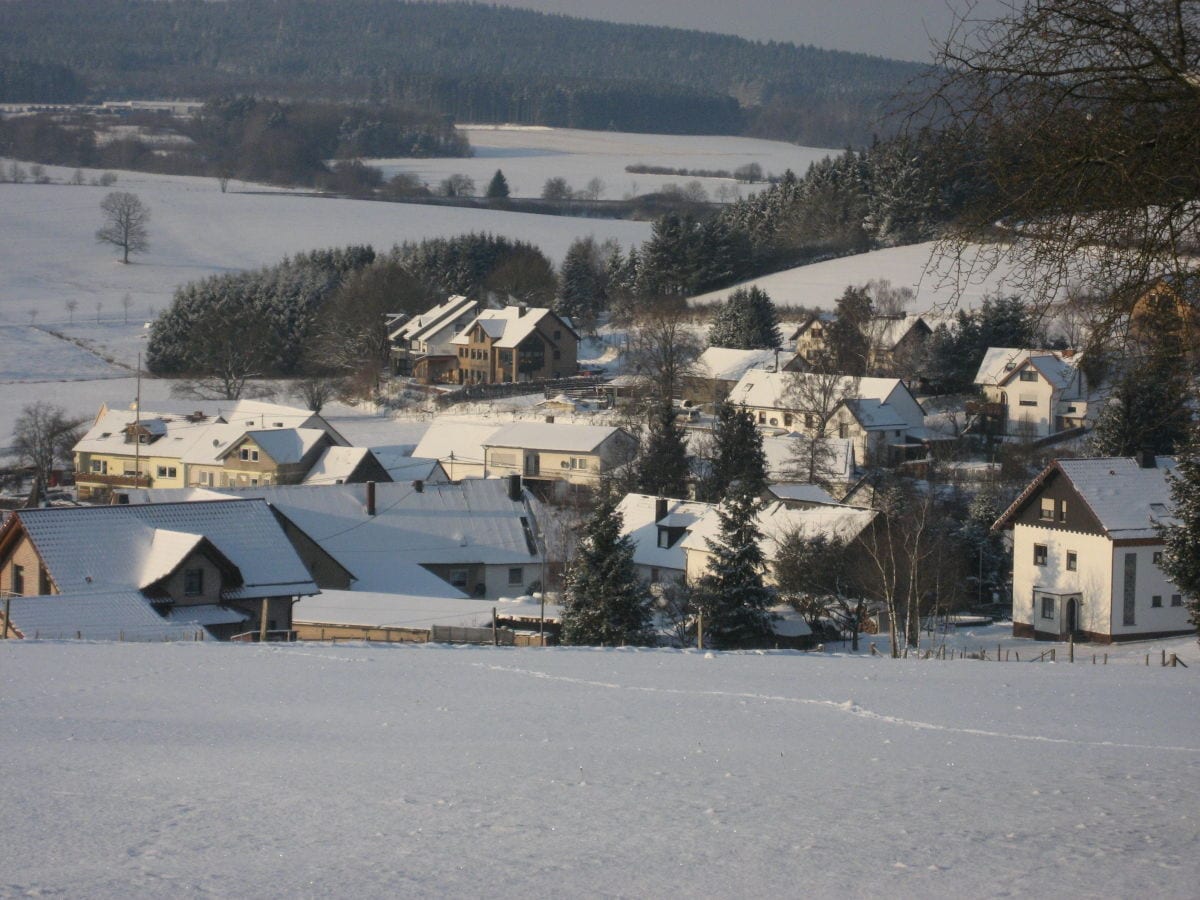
pixel 468 61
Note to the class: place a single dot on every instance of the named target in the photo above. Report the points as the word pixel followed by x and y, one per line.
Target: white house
pixel 1035 392
pixel 1086 552
pixel 457 445
pixel 657 527
pixel 880 415
pixel 718 369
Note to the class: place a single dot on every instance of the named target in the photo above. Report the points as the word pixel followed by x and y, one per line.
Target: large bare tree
pixel 125 221
pixel 1082 116
pixel 663 349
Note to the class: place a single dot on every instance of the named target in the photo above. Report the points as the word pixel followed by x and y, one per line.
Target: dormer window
pixel 193 582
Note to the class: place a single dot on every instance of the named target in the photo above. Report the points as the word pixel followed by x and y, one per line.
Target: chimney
pixel 370 498
pixel 549 420
pixel 1146 459
pixel 521 310
pixel 419 486
pixel 514 488
pixel 660 508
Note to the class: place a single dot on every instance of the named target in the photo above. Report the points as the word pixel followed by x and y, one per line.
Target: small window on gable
pixel 18 579
pixel 1047 509
pixel 1156 601
pixel 193 582
pixel 1177 600
pixel 1029 375
pixel 1062 510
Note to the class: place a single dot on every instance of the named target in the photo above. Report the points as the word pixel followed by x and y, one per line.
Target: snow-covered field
pixel 939 285
pixel 530 155
pixel 371 771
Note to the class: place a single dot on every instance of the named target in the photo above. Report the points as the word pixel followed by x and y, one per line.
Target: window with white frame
pixel 1039 554
pixel 249 455
pixel 1072 561
pixel 1029 375
pixel 166 471
pixel 1047 607
pixel 1047 509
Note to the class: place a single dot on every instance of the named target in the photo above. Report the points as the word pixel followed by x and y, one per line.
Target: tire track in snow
pixel 845 706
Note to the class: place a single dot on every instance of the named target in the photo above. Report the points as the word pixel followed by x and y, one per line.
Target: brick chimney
pixel 514 488
pixel 370 498
pixel 660 508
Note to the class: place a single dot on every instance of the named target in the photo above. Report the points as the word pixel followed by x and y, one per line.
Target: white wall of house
pixel 1098 580
pixel 1030 405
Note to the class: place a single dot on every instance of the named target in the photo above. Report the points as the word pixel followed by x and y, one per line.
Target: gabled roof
pixel 99 616
pixel 1059 372
pixel 802 493
pixel 407 610
pixel 874 415
pixel 548 436
pixel 1128 501
pixel 429 323
pixel 777 521
pixel 838 460
pixel 825 317
pixel 337 464
pixel 286 446
pixel 887 331
pixel 453 440
pixel 471 522
pixel 770 390
pixel 1000 362
pixel 638 522
pixel 168 550
pixel 510 325
pixel 98 548
pixel 725 364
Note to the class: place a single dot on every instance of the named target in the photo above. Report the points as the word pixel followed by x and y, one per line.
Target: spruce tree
pixel 1181 559
pixel 746 321
pixel 604 602
pixel 497 188
pixel 732 596
pixel 662 467
pixel 738 456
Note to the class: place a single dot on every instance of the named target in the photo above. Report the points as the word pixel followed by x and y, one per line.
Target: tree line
pixel 476 62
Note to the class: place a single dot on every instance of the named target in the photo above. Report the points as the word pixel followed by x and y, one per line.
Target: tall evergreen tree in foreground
pixel 732 596
pixel 1181 561
pixel 661 466
pixel 604 602
pixel 738 456
pixel 746 321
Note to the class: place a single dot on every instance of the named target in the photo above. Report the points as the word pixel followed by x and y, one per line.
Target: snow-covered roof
pixel 408 610
pixel 94 548
pixel 874 415
pixel 168 550
pixel 888 331
pixel 1059 372
pixel 551 436
pixel 1128 500
pixel 798 492
pixel 770 390
pixel 285 446
pixel 637 512
pixel 777 521
pixel 335 465
pixel 471 522
pixel 410 468
pixel 99 616
pixel 507 327
pixel 428 324
pixel 1000 362
pixel 725 364
pixel 175 434
pixel 205 614
pixel 837 460
pixel 450 439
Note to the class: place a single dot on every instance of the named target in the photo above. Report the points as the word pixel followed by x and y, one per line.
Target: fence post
pixel 495 635
pixel 1147 660
pixel 7 607
pixel 1174 660
pixel 1053 654
pixel 700 630
pixel 1164 657
pixel 1071 649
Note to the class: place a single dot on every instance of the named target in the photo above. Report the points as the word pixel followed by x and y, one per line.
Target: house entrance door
pixel 1072 616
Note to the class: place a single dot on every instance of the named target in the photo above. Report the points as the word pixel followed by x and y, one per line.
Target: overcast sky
pixel 897 28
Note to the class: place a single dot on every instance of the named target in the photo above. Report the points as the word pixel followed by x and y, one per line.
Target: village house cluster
pixel 256 521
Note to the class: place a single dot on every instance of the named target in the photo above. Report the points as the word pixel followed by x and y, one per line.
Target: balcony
pixel 93 478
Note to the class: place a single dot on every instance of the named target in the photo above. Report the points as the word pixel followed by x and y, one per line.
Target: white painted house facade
pixel 1087 552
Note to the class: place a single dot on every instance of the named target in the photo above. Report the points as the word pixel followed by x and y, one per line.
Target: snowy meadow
pixel 363 770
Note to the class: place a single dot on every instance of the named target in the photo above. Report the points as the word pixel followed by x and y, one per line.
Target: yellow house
pixel 543 451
